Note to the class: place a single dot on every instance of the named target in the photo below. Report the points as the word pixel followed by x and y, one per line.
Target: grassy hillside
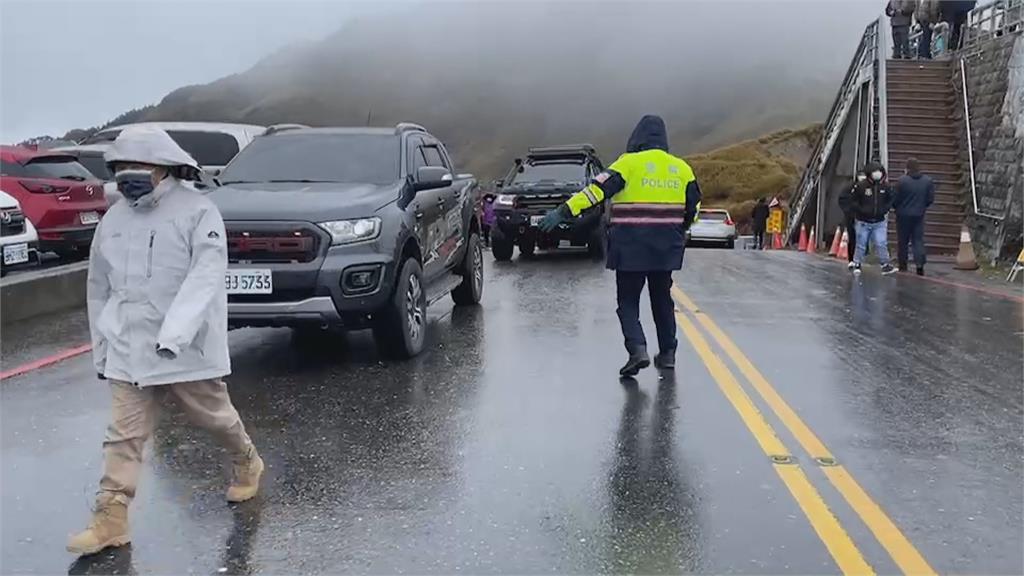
pixel 734 177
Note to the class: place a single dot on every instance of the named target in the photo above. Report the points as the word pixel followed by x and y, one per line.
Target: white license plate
pixel 535 220
pixel 15 254
pixel 249 281
pixel 89 217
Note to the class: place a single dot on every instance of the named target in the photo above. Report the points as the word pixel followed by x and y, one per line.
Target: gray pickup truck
pixel 349 227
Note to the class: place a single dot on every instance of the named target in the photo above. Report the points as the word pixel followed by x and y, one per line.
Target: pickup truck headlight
pixel 508 200
pixel 349 231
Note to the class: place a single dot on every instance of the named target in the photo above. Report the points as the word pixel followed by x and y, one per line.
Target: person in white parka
pixel 158 317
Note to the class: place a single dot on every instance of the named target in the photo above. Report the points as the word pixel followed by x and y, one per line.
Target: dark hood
pixel 871 167
pixel 314 202
pixel 649 134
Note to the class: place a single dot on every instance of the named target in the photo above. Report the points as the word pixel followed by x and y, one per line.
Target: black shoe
pixel 665 360
pixel 638 360
pixel 888 269
pixel 920 270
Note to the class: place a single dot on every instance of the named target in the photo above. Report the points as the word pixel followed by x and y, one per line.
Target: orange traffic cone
pixel 802 245
pixel 834 252
pixel 965 258
pixel 812 242
pixel 777 242
pixel 844 246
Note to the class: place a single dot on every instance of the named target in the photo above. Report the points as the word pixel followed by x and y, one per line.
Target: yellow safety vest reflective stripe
pixel 654 179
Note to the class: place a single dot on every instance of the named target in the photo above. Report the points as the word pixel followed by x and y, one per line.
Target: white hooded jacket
pixel 156 278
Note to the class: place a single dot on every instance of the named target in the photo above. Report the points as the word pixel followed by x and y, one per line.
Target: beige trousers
pixel 136 410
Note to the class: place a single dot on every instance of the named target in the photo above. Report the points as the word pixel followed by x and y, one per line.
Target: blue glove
pixel 553 218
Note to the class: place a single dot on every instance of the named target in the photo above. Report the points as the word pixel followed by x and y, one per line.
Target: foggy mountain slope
pixel 493 78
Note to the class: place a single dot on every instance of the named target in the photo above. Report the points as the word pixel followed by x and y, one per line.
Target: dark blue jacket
pixel 914 194
pixel 646 248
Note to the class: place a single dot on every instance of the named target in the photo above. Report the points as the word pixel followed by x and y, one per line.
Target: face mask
pixel 861 177
pixel 134 184
pixel 876 175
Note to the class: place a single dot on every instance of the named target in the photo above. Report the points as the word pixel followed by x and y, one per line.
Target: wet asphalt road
pixel 510 445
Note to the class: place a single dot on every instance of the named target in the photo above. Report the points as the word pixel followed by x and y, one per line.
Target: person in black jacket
pixel 915 192
pixel 871 202
pixel 849 219
pixel 759 221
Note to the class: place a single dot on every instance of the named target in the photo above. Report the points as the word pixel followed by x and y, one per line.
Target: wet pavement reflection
pixel 511 446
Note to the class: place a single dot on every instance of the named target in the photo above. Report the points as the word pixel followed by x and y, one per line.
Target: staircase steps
pixel 920 100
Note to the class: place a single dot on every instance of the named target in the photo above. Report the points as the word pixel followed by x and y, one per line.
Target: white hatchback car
pixel 18 238
pixel 713 225
pixel 212 144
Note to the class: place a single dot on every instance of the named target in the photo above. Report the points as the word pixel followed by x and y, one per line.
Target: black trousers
pixel 851 238
pixel 924 43
pixel 910 230
pixel 901 42
pixel 629 285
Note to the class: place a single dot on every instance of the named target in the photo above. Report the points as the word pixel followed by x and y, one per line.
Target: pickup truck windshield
pixel 550 172
pixel 350 158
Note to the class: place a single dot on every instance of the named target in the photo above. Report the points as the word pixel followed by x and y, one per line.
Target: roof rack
pixel 408 127
pixel 563 150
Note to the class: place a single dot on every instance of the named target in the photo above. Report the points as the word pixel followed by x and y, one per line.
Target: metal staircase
pixel 863 94
pixel 899 109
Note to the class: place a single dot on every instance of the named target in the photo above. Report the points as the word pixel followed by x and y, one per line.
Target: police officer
pixel 158 318
pixel 654 199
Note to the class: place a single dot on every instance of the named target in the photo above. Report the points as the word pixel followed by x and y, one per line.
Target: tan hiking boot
pixel 247 477
pixel 109 526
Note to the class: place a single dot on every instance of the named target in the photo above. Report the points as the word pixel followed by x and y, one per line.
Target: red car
pixel 58 195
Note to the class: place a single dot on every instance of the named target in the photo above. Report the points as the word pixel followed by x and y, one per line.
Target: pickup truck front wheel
pixel 472 272
pixel 401 327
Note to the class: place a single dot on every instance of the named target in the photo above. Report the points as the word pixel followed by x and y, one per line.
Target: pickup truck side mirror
pixel 431 177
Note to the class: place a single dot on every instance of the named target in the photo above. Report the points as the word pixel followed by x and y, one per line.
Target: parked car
pixel 18 237
pixel 90 156
pixel 544 180
pixel 349 227
pixel 59 196
pixel 212 144
pixel 715 226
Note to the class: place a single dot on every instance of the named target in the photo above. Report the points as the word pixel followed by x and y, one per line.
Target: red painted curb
pixel 44 362
pixel 970 287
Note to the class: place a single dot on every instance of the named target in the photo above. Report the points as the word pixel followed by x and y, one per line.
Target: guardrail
pixel 992 20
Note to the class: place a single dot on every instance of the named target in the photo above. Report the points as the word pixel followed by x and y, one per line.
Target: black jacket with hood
pixel 871 200
pixel 645 248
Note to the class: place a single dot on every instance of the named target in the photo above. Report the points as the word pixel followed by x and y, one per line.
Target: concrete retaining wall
pixel 32 294
pixel 995 90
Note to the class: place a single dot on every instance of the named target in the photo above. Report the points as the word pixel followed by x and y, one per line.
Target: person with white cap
pixel 158 316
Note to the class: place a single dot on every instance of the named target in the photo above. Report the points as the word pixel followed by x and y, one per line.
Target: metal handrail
pixel 883 98
pixel 992 20
pixel 970 145
pixel 859 71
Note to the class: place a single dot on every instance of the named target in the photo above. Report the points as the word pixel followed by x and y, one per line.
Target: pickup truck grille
pixel 540 202
pixel 271 244
pixel 12 222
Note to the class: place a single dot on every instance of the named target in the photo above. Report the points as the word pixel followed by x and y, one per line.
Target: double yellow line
pixel 839 544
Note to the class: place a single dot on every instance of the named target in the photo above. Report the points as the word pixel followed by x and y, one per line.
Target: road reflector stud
pixel 782 459
pixel 826 461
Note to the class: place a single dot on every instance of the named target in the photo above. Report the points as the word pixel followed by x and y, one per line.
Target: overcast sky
pixel 78 63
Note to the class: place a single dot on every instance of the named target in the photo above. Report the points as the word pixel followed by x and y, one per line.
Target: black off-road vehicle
pixel 546 178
